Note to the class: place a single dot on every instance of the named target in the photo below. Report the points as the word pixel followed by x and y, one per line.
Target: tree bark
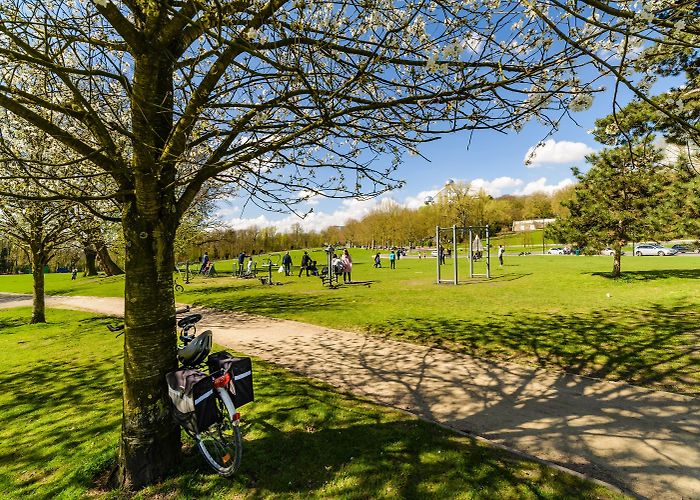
pixel 90 259
pixel 110 267
pixel 38 299
pixel 617 264
pixel 150 440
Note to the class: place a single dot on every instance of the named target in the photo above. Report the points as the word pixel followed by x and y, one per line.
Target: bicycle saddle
pixel 189 320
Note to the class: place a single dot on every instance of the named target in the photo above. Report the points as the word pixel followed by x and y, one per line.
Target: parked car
pixel 652 249
pixel 556 251
pixel 609 251
pixel 680 248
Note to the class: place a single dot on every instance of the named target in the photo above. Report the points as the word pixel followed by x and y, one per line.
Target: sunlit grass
pixel 561 311
pixel 557 311
pixel 61 413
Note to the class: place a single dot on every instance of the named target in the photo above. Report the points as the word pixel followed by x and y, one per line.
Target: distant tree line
pixel 390 224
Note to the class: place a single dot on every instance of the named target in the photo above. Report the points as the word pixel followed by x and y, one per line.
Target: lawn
pixel 555 311
pixel 61 408
pixel 558 311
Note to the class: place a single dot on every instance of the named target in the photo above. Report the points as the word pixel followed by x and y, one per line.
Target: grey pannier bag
pixel 194 401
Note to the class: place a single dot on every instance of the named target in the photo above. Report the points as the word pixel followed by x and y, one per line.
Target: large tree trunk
pixel 38 299
pixel 617 264
pixel 150 441
pixel 110 267
pixel 90 260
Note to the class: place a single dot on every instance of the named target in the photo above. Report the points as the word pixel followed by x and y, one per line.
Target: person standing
pixel 392 260
pixel 241 261
pixel 501 251
pixel 377 260
pixel 205 263
pixel 287 263
pixel 251 265
pixel 347 266
pixel 305 263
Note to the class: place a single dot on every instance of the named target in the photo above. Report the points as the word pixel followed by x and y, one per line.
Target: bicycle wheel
pixel 221 444
pixel 179 288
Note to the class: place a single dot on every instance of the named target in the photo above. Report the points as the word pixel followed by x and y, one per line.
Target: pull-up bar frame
pixel 440 249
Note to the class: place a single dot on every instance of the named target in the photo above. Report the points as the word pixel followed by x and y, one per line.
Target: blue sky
pixel 493 160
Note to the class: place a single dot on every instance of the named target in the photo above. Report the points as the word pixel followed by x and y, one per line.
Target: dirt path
pixel 646 442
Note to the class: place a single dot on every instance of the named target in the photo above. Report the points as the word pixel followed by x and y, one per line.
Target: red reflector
pixel 222 381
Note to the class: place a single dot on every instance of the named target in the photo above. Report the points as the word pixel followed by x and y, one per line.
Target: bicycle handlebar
pixel 120 328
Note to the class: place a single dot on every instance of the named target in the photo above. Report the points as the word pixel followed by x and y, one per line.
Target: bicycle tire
pixel 179 288
pixel 221 444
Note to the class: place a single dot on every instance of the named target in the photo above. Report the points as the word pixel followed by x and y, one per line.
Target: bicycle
pixel 203 404
pixel 176 281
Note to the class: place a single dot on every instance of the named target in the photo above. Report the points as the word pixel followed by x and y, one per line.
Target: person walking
pixel 377 260
pixel 501 251
pixel 305 263
pixel 392 260
pixel 287 263
pixel 347 266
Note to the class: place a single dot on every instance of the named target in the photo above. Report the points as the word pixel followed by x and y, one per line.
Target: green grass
pixel 554 311
pixel 558 311
pixel 61 413
pixel 61 284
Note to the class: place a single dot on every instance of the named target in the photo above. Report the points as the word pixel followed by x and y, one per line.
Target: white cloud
pixel 497 186
pixel 541 186
pixel 349 209
pixel 551 151
pixel 228 212
pixel 309 197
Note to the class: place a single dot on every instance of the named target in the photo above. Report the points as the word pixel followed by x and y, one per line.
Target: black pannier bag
pixel 194 401
pixel 241 369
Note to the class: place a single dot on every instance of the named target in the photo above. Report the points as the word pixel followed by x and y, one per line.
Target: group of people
pixel 341 265
pixel 393 257
pixel 307 264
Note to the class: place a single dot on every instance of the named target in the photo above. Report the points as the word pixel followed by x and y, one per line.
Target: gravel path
pixel 646 442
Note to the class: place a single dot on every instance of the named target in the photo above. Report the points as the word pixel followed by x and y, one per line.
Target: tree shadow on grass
pixel 273 304
pixel 652 275
pixel 640 440
pixel 65 420
pixel 302 441
pixel 8 323
pixel 494 278
pixel 654 346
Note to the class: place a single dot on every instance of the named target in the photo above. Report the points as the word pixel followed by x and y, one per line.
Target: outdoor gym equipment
pixel 476 248
pixel 329 274
pixel 269 264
